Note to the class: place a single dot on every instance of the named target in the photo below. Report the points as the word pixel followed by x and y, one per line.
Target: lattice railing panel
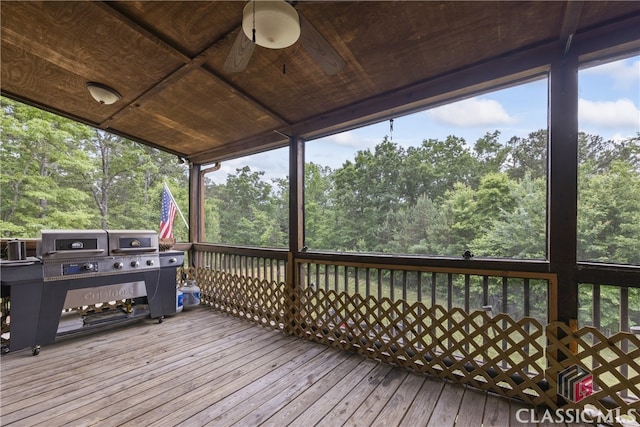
pixel 492 353
pixel 258 300
pixel 614 363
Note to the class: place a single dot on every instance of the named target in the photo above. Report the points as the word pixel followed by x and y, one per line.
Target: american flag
pixel 169 211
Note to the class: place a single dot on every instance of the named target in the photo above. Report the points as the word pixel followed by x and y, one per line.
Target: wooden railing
pixel 244 282
pixel 494 329
pixel 266 264
pixel 519 294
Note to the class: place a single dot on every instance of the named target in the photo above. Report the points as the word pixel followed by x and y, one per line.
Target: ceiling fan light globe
pixel 102 93
pixel 277 23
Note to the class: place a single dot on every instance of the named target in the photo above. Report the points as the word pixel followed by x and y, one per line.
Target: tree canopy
pixel 439 197
pixel 59 174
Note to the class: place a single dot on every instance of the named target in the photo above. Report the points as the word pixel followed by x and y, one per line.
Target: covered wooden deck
pixel 205 368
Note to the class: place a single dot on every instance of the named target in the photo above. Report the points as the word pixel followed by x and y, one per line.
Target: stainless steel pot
pixel 16 250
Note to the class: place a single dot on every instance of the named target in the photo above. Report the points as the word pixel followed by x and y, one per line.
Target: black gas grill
pixel 76 271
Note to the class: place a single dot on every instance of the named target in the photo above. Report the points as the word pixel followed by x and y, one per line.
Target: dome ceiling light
pixel 271 24
pixel 102 93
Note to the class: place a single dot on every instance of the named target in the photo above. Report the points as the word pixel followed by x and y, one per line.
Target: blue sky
pixel 609 106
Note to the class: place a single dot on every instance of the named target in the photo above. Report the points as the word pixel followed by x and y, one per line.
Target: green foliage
pixel 609 214
pixel 519 228
pixel 60 174
pixel 252 212
pixel 438 198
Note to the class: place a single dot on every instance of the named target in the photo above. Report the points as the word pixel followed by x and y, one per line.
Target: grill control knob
pixel 173 260
pixel 118 264
pixel 88 266
pixel 135 264
pixel 150 262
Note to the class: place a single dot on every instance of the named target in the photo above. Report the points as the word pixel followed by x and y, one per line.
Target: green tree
pixel 460 207
pixel 528 155
pixel 318 207
pixel 420 229
pixel 212 212
pixel 248 215
pixel 519 228
pixel 490 154
pixel 39 164
pixel 609 214
pixel 60 174
pixel 494 195
pixel 436 166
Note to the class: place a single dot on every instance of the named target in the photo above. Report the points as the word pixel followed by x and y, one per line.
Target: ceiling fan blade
pixel 240 53
pixel 319 48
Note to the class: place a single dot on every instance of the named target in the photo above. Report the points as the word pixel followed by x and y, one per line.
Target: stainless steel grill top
pixel 132 242
pixel 72 243
pixel 75 254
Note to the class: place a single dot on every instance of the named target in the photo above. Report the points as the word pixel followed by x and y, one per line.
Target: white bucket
pixel 191 293
pixel 179 301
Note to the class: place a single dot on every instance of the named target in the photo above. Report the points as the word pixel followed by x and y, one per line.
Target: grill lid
pixel 95 243
pixel 72 243
pixel 125 242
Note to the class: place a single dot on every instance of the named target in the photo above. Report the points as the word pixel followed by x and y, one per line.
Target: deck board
pixel 496 413
pixel 303 403
pixel 445 412
pixel 206 368
pixel 395 409
pixel 472 408
pixel 335 396
pixel 425 401
pixel 340 413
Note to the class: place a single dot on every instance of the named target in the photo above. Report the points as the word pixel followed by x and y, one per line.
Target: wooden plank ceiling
pixel 167 59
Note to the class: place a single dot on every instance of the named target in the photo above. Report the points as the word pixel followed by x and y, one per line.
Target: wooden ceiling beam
pixel 189 65
pixel 139 29
pixel 505 70
pixel 499 72
pixel 570 23
pixel 59 60
pixel 606 42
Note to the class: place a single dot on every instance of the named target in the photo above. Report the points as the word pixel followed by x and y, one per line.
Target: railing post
pixel 563 182
pixel 291 313
pixel 296 231
pixel 196 204
pixel 562 202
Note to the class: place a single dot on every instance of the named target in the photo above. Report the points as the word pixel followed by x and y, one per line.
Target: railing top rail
pixel 608 274
pixel 275 253
pixel 429 263
pixel 431 269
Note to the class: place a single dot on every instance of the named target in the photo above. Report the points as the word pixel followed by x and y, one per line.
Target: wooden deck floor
pixel 204 368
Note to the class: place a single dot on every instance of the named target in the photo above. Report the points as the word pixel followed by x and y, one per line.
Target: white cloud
pixel 273 163
pixel 349 139
pixel 624 74
pixel 621 113
pixel 472 112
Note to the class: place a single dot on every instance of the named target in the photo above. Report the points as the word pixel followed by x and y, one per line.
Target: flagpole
pixel 176 203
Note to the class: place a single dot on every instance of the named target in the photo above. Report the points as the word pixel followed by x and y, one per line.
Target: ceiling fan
pixel 276 25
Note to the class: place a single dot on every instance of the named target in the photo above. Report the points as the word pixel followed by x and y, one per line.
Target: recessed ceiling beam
pixel 189 65
pixel 570 23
